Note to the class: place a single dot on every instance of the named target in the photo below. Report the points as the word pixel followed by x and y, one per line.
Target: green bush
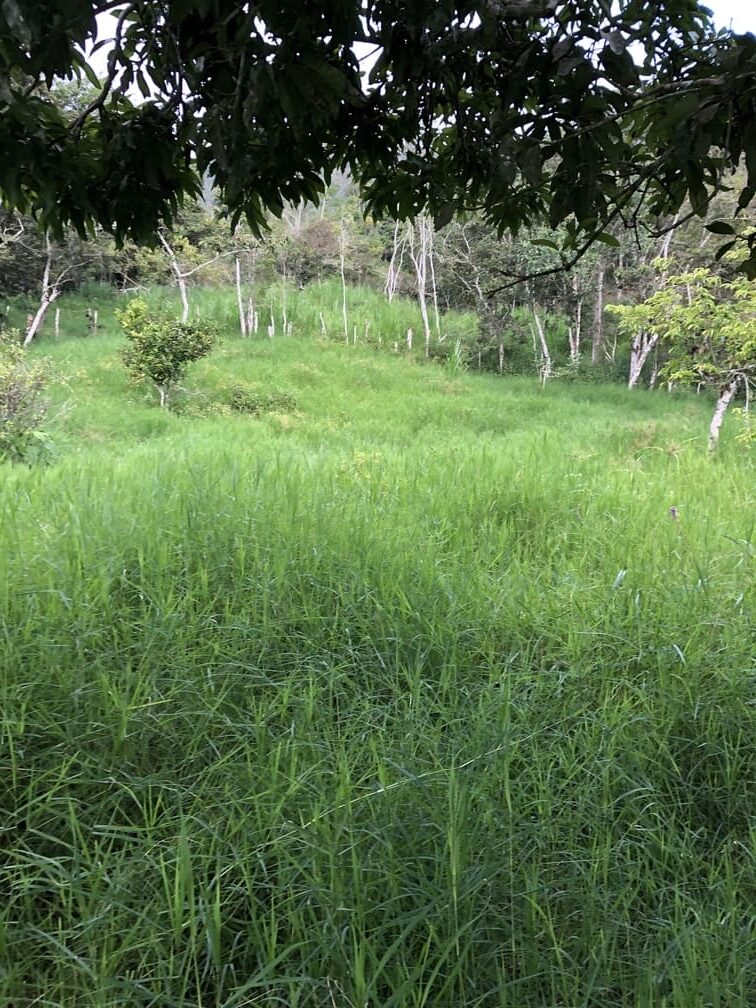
pixel 22 404
pixel 249 400
pixel 160 348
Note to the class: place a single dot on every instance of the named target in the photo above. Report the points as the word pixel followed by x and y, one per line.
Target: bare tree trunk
pixel 725 398
pixel 597 348
pixel 57 323
pixel 48 296
pixel 545 355
pixel 432 269
pixel 574 333
pixel 240 298
pixel 284 313
pixel 642 345
pixel 501 354
pixel 394 268
pixel 178 274
pixel 342 262
pixel 419 261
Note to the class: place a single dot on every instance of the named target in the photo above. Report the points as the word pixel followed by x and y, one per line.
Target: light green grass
pixel 414 695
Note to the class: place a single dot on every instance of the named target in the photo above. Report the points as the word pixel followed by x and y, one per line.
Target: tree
pixel 573 111
pixel 708 325
pixel 159 348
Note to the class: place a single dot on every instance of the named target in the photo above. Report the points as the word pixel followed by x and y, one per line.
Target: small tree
pixel 160 349
pixel 708 326
pixel 22 404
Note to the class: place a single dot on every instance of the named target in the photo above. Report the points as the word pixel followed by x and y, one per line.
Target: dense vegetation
pixel 358 679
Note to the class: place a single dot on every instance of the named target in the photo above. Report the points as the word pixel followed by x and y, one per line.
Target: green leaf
pixel 607 239
pixel 545 243
pixel 724 249
pixel 443 216
pixel 720 228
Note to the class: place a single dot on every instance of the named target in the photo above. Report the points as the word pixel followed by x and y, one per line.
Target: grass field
pixel 406 691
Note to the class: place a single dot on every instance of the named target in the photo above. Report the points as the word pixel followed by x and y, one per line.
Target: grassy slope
pixel 414 695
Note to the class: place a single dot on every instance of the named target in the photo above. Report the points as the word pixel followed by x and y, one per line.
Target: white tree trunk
pixel 178 274
pixel 39 316
pixel 432 270
pixel 419 261
pixel 725 398
pixel 395 265
pixel 342 263
pixel 642 345
pixel 574 333
pixel 239 298
pixel 545 355
pixel 47 297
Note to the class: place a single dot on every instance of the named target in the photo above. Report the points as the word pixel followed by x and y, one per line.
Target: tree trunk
pixel 178 274
pixel 725 398
pixel 597 349
pixel 419 261
pixel 642 345
pixel 394 268
pixel 431 267
pixel 575 333
pixel 45 300
pixel 240 298
pixel 342 262
pixel 39 317
pixel 545 371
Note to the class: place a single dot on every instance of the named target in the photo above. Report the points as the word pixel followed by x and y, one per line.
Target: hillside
pixel 404 689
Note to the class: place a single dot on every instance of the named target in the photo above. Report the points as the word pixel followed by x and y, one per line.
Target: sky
pixel 740 15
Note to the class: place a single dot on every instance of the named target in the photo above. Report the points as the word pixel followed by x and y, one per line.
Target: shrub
pixel 160 348
pixel 250 400
pixel 22 404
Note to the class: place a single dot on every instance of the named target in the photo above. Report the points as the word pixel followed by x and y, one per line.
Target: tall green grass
pixel 413 695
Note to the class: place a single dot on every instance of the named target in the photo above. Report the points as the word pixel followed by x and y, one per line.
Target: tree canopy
pixel 575 112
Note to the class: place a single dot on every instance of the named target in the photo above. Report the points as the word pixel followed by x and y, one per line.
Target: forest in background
pixel 529 312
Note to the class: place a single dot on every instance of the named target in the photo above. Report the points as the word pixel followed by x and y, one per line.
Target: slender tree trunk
pixel 39 316
pixel 394 267
pixel 597 348
pixel 45 299
pixel 574 333
pixel 342 264
pixel 419 261
pixel 432 270
pixel 240 298
pixel 178 274
pixel 545 355
pixel 725 398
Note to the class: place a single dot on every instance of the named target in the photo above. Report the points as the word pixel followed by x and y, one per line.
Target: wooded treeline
pixel 530 312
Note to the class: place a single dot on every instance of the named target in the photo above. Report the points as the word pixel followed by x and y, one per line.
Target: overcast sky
pixel 740 15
